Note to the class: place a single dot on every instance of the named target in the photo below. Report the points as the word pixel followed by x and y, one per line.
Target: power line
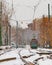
pixel 35 7
pixel 32 7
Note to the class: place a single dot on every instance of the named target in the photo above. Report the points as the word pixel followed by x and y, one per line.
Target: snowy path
pixel 25 57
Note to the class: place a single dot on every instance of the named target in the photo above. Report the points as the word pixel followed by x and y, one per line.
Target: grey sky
pixel 23 10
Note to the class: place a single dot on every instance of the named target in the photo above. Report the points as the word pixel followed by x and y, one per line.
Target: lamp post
pixel 0 21
pixel 9 34
pixel 16 33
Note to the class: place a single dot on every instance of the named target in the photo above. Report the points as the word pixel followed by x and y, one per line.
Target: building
pixel 28 35
pixel 46 30
pixel 35 27
pixel 43 29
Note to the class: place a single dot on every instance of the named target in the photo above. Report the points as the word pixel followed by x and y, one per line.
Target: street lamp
pixel 16 33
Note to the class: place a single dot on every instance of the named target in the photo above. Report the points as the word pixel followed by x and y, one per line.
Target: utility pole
pixel 48 36
pixel 48 24
pixel 47 28
pixel 49 13
pixel 9 34
pixel 0 21
pixel 16 33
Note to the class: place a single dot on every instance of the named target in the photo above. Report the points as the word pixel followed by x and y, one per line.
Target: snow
pixel 1 52
pixel 45 62
pixel 13 62
pixel 8 55
pixel 34 51
pixel 25 52
pixel 11 54
pixel 4 47
pixel 31 59
pixel 43 49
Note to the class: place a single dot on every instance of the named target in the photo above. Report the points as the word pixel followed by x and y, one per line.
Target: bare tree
pixel 7 12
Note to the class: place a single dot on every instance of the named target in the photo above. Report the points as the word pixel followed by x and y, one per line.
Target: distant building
pixel 35 27
pixel 28 35
pixel 41 28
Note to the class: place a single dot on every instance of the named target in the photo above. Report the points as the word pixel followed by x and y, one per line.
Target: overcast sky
pixel 24 10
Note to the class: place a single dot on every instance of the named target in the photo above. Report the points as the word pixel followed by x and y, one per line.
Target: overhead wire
pixel 32 7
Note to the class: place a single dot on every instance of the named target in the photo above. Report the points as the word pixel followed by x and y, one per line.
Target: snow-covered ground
pixel 11 54
pixel 31 57
pixel 45 62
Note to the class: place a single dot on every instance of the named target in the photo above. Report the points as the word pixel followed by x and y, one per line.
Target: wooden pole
pixel 0 22
pixel 16 33
pixel 48 12
pixel 9 34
